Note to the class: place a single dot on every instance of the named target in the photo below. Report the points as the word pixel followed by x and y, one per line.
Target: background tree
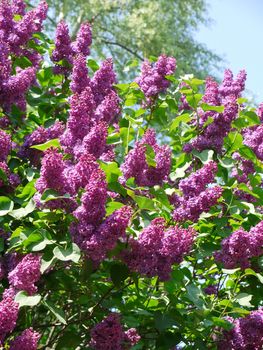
pixel 135 29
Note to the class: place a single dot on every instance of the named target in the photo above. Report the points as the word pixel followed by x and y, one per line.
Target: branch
pixel 123 47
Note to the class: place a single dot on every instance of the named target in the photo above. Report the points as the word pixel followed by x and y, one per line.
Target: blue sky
pixel 236 34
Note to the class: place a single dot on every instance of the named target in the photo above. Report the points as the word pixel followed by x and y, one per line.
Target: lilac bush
pixel 130 213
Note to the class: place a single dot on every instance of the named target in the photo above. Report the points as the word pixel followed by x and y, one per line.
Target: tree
pixel 136 29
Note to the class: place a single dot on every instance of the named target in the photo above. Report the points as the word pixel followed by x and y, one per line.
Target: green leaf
pixel 206 107
pixel 69 340
pixel 58 313
pixel 205 156
pixel 45 264
pixel 180 172
pixel 144 202
pixel 6 205
pixel 253 273
pixel 3 176
pixel 23 212
pixel 69 254
pixel 50 194
pixel 25 300
pixel 118 274
pixel 110 169
pixel 230 271
pixel 193 99
pixel 226 162
pixel 234 141
pixel 150 156
pixel 2 244
pixel 37 240
pixel 195 295
pixel 44 146
pixel 163 321
pixel 112 206
pixel 244 299
pixel 220 322
pixel 93 65
pixel 179 119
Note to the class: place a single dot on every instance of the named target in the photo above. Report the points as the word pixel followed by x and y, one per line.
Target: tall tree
pixel 135 29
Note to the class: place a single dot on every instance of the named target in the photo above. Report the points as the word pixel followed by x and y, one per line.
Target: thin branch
pixel 123 47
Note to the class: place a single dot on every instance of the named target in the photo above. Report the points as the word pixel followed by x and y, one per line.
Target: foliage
pixel 119 227
pixel 131 30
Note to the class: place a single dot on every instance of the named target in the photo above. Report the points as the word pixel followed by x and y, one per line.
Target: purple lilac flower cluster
pixel 93 107
pixel 6 178
pixel 8 317
pixel 184 105
pixel 210 290
pixel 66 50
pixel 240 247
pixel 135 164
pixel 39 136
pixel 158 248
pixel 253 136
pixel 152 80
pixel 197 197
pixel 28 340
pixel 26 274
pixel 247 333
pixel 212 136
pixel 64 177
pixel 94 234
pixel 14 40
pixel 53 175
pixel 109 335
pixel 242 169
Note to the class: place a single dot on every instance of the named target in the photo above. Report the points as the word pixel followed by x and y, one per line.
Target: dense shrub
pixel 130 214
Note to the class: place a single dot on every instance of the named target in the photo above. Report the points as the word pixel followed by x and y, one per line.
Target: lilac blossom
pixel 82 107
pixel 247 333
pixel 19 7
pixel 197 182
pixel 39 136
pixel 95 236
pixel 79 78
pixel 226 94
pixel 94 142
pixel 63 50
pixel 52 172
pixel 253 138
pixel 78 175
pixel 109 108
pixel 93 201
pixel 191 208
pixel 109 335
pixel 16 87
pixel 103 80
pixel 30 23
pixel 153 80
pixel 210 290
pixel 132 337
pixel 83 40
pixel 135 164
pixel 158 248
pixel 5 145
pixel 26 274
pixel 240 247
pixel 28 340
pixel 8 317
pixel 231 86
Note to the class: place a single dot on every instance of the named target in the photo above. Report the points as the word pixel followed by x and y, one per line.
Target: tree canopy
pixel 137 29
